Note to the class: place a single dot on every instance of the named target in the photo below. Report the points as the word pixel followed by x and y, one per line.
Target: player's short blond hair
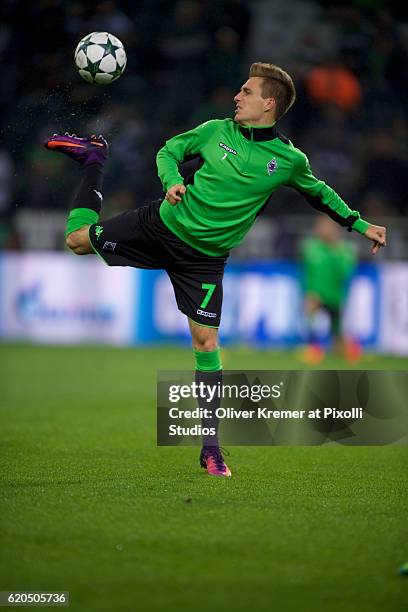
pixel 276 84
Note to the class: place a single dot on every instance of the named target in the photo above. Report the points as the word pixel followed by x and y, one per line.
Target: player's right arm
pixel 175 193
pixel 173 153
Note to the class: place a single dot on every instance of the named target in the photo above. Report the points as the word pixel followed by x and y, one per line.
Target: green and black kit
pixel 236 170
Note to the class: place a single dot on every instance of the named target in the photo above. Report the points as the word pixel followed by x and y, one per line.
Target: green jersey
pixel 241 167
pixel 327 269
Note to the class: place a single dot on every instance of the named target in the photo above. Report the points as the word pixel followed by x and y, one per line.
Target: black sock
pixel 211 379
pixel 89 193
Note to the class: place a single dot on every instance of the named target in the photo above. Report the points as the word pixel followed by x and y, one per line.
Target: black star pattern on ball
pixel 83 46
pixel 116 73
pixel 85 42
pixel 92 68
pixel 110 48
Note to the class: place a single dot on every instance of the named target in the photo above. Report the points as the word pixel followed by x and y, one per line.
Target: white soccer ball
pixel 100 58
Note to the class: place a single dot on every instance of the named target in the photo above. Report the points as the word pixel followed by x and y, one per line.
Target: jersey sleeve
pixel 177 149
pixel 324 198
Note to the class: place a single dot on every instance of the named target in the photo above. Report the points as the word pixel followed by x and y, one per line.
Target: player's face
pixel 251 107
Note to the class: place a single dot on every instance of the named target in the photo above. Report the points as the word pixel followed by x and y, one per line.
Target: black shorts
pixel 335 318
pixel 139 238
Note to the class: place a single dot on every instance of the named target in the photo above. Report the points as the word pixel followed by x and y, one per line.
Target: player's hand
pixel 175 193
pixel 377 234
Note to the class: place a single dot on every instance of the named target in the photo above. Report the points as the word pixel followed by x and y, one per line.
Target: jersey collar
pixel 259 133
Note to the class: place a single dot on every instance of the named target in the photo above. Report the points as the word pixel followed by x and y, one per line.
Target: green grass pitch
pixel 89 504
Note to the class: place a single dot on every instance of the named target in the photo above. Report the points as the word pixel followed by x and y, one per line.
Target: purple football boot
pixel 211 459
pixel 86 151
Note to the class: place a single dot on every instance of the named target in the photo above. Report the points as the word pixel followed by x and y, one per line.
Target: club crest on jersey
pixel 272 166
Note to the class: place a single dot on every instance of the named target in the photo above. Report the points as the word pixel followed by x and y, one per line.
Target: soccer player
pixel 190 232
pixel 328 263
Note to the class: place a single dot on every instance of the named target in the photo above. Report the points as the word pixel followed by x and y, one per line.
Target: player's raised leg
pixel 209 371
pixel 85 208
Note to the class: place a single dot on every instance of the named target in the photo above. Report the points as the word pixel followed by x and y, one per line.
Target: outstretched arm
pixel 377 235
pixel 325 199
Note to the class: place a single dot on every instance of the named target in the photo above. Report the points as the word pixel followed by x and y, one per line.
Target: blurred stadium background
pixel 186 60
pixel 89 503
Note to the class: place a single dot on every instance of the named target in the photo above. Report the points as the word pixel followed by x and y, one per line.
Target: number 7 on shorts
pixel 209 287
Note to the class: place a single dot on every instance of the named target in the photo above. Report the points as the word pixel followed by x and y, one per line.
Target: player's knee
pixel 210 345
pixel 205 339
pixel 205 344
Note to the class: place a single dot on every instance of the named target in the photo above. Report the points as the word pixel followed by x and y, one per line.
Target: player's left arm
pixel 378 235
pixel 325 199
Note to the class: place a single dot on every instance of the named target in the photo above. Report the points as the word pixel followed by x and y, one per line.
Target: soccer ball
pixel 100 58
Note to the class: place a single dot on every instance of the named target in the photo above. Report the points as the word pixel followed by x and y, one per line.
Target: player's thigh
pixel 198 293
pixel 203 338
pixel 129 239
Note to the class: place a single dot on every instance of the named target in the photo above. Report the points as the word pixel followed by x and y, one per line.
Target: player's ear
pixel 270 104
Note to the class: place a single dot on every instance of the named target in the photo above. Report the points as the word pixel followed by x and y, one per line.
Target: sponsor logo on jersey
pixel 203 313
pixel 109 246
pixel 272 166
pixel 227 148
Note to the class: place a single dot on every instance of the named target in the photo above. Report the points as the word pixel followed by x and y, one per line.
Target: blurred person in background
pixel 328 263
pixel 333 83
